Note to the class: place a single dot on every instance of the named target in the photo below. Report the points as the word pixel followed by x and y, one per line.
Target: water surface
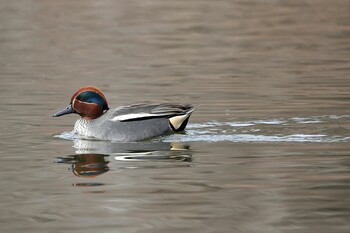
pixel 267 149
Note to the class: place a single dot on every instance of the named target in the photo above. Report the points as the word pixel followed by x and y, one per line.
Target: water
pixel 267 149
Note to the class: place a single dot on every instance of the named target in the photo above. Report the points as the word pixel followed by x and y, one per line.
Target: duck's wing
pixel 177 114
pixel 142 111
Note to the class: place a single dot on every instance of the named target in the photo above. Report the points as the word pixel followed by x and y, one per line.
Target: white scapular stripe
pixel 132 116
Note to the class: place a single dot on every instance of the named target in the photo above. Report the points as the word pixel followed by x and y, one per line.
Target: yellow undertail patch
pixel 177 121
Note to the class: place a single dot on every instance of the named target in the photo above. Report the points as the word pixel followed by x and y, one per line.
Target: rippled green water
pixel 267 149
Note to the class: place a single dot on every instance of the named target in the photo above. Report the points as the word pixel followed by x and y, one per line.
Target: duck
pixel 129 123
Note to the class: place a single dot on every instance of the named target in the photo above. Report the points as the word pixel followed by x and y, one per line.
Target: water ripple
pixel 257 138
pixel 294 129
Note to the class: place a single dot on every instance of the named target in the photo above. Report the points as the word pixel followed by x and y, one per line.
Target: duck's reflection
pixel 86 165
pixel 92 158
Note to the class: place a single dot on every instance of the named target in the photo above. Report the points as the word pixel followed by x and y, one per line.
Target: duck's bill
pixel 65 111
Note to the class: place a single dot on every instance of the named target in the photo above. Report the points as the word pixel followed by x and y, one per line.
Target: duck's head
pixel 88 102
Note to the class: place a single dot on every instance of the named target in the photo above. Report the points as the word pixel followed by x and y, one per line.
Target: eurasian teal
pixel 127 123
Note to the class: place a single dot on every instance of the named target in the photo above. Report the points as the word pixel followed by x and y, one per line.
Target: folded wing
pixel 178 114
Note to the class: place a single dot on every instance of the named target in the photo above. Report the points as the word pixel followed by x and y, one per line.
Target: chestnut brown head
pixel 89 102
